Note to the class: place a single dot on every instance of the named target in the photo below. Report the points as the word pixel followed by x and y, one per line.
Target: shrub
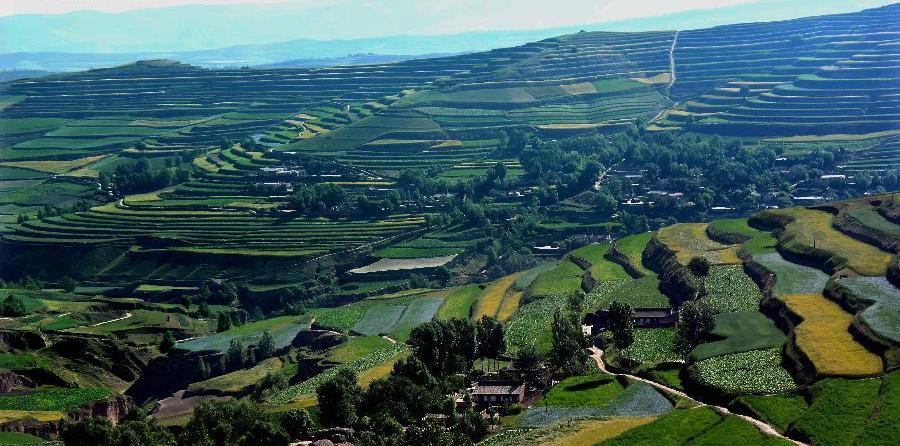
pixel 699 266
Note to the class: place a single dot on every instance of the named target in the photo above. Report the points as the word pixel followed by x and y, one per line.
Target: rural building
pixel 654 317
pixel 643 318
pixel 497 393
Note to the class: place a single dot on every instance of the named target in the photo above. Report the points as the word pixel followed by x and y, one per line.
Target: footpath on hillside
pixel 764 427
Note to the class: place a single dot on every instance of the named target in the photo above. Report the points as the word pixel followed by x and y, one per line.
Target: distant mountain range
pixel 302 53
pixel 254 35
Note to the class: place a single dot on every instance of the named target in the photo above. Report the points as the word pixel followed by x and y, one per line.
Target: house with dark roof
pixel 497 393
pixel 643 318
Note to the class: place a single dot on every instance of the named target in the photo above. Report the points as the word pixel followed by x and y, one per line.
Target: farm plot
pixel 752 372
pixel 564 278
pixel 379 319
pixel 810 232
pixel 883 316
pixel 586 432
pixel 872 219
pixel 588 396
pixel 237 382
pixel 382 265
pixel 283 329
pixel 689 240
pixel 53 399
pixel 792 278
pixel 459 302
pixel 356 347
pixel 498 296
pixel 729 289
pixel 601 267
pixel 360 365
pixel 777 410
pixel 633 247
pixel 386 316
pixel 697 426
pixel 824 338
pixel 652 346
pixel 637 293
pixel 757 242
pixel 835 411
pixel 531 324
pixel 741 332
pixel 839 411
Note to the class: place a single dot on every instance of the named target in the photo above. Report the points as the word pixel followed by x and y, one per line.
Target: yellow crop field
pixel 509 305
pixel 591 432
pixel 493 296
pixel 379 371
pixel 813 228
pixel 39 415
pixel 52 166
pixel 824 338
pixel 689 240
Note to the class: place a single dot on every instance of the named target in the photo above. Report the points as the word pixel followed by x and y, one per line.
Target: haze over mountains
pixel 250 35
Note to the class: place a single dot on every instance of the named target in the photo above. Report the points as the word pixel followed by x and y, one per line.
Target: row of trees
pixel 391 411
pixel 140 176
pixel 214 423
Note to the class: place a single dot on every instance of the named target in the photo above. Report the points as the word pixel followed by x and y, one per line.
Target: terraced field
pixel 883 315
pixel 810 233
pixel 824 339
pixel 689 240
pixel 802 76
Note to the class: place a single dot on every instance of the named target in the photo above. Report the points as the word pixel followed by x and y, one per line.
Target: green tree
pixel 569 342
pixel 167 342
pixel 204 310
pixel 204 369
pixel 339 398
pixel 621 324
pixel 446 347
pixel 695 319
pixel 13 306
pixel 528 363
pixel 67 284
pixel 296 422
pixel 223 323
pixel 491 343
pixel 144 431
pixel 236 356
pixel 93 431
pixel 233 423
pixel 699 266
pixel 265 349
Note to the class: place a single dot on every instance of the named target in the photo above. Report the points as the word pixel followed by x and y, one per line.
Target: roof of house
pixel 652 312
pixel 498 389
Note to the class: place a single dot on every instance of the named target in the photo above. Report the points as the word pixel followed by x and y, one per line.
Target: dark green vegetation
pixel 328 240
pixel 695 426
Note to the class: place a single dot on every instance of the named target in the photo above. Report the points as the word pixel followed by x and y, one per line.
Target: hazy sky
pixel 576 11
pixel 106 26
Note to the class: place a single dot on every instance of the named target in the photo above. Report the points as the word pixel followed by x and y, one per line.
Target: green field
pixel 741 332
pixel 52 399
pixel 601 268
pixel 633 248
pixel 729 289
pixel 751 372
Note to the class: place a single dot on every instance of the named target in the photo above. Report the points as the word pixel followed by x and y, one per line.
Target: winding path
pixel 768 429
pixel 127 315
pixel 672 60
